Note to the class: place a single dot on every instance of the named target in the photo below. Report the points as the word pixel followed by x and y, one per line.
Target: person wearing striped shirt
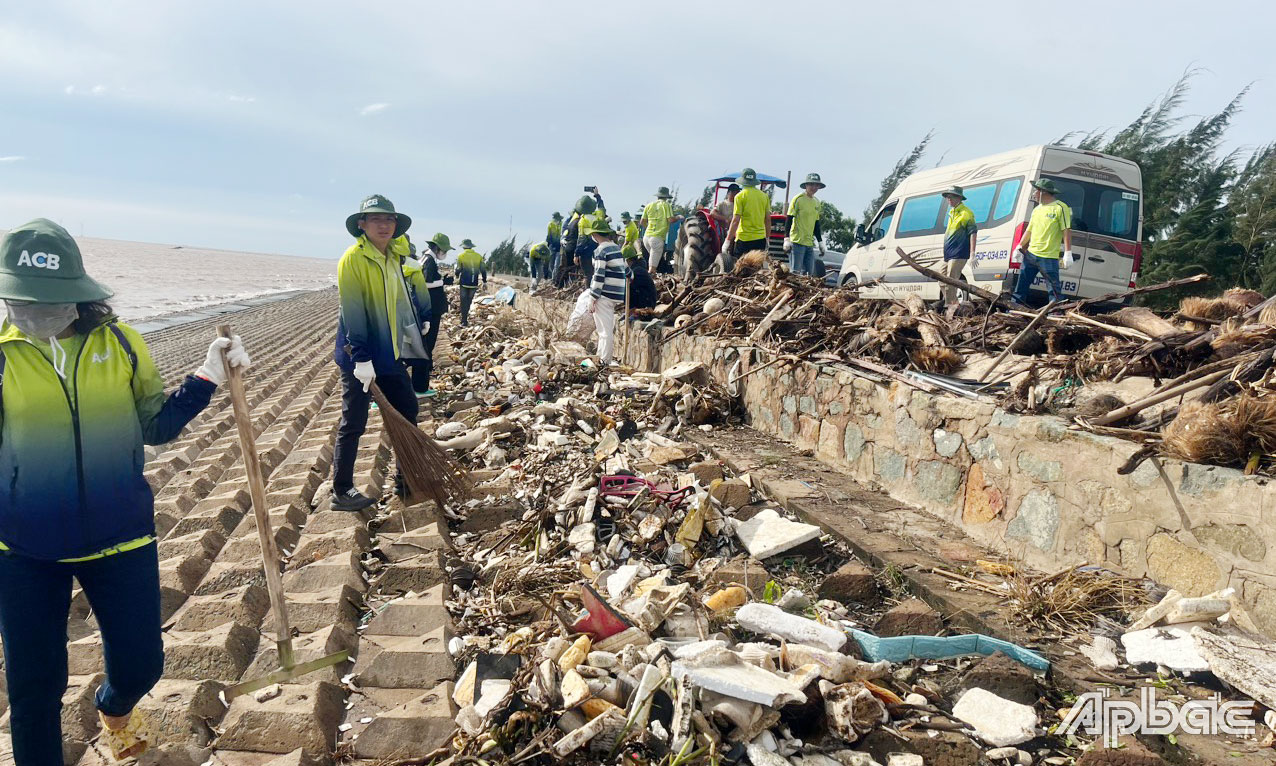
pixel 607 286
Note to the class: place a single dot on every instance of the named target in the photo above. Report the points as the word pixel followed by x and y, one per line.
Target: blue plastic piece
pixel 903 648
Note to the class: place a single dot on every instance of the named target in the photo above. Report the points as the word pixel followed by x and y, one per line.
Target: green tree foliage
pixel 1201 212
pixel 1253 203
pixel 506 259
pixel 837 228
pixel 903 169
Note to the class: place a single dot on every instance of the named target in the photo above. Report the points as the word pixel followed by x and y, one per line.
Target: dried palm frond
pixel 1241 296
pixel 937 359
pixel 1072 601
pixel 1203 433
pixel 751 263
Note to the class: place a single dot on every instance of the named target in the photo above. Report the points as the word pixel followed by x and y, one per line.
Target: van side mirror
pixel 861 236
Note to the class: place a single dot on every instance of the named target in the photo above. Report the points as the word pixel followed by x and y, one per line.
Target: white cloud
pixel 96 90
pixel 13 158
pixel 372 109
pixel 237 99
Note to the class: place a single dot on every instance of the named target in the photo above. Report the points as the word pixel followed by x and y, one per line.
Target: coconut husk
pixel 941 360
pixel 1256 419
pixel 836 303
pixel 715 322
pixel 1243 297
pixel 1211 308
pixel 751 263
pixel 1268 315
pixel 1203 433
pixel 1099 404
pixel 1233 337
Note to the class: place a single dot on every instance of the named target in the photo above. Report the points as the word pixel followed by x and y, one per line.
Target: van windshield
pixel 1101 209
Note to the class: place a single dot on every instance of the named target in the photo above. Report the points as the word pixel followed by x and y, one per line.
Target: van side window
pixel 1007 196
pixel 882 225
pixel 979 200
pixel 921 216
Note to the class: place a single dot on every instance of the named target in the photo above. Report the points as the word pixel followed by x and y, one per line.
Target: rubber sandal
pixel 135 738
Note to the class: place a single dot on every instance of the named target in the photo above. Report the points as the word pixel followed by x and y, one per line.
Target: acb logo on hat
pixel 50 261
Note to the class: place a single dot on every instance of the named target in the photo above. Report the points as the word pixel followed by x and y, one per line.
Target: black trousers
pixel 354 419
pixel 467 297
pixel 423 369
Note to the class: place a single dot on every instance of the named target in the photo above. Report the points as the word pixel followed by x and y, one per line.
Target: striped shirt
pixel 610 274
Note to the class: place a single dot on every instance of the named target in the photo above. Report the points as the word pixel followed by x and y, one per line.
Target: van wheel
pixel 850 281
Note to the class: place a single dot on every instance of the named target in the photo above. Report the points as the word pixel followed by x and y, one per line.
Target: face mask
pixel 41 320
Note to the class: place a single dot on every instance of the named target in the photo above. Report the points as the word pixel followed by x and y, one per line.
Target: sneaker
pixel 351 500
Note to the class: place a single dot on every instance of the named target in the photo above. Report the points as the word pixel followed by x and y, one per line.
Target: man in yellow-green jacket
pixel 377 332
pixel 469 267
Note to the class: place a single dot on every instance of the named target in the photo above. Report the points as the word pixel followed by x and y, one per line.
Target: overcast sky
pixel 259 126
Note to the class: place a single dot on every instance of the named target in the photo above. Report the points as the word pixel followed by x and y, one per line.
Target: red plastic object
pixel 600 620
pixel 624 485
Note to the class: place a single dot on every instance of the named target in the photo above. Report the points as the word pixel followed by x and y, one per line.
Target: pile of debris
pixel 618 598
pixel 1195 384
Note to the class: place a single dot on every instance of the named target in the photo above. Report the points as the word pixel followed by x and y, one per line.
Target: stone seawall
pixel 1025 485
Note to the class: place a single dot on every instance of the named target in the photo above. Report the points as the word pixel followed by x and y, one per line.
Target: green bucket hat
pixel 1046 185
pixel 596 225
pixel 626 217
pixel 441 241
pixel 955 191
pixel 813 179
pixel 749 177
pixel 663 193
pixel 557 216
pixel 586 205
pixel 376 204
pixel 40 262
pixel 467 243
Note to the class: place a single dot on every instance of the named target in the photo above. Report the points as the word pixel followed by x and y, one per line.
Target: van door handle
pixel 881 247
pixel 1095 258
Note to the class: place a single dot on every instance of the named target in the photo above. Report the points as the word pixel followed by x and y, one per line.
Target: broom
pixel 428 470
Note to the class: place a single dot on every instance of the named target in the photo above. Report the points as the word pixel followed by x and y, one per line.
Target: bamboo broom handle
pixel 257 489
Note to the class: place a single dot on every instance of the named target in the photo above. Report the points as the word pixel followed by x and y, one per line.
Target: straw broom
pixel 429 471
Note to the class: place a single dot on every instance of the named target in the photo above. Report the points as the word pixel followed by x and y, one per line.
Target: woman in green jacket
pixel 79 397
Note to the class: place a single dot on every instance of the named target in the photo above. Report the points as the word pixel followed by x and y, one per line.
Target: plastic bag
pixel 580 325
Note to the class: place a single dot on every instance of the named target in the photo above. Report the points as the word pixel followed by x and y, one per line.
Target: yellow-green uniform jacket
pixel 374 308
pixel 554 232
pixel 71 449
pixel 469 265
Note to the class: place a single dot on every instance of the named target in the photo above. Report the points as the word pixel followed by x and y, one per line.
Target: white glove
pixel 820 243
pixel 726 248
pixel 788 245
pixel 425 328
pixel 365 374
pixel 1068 260
pixel 214 370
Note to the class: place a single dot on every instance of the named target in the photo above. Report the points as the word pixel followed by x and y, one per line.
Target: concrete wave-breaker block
pixel 286 514
pixel 416 574
pixel 166 754
pixel 405 662
pixel 306 647
pixel 184 711
pixel 220 654
pixel 430 537
pixel 183 491
pixel 327 522
pixel 79 711
pixel 183 573
pixel 245 605
pixel 298 757
pixel 303 716
pixel 84 656
pixel 413 729
pixel 308 612
pixel 208 542
pixel 220 516
pixel 247 548
pixel 400 519
pixel 229 575
pixel 331 572
pixel 411 616
pixel 316 547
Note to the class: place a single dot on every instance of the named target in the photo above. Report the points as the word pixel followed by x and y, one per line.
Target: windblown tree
pixel 1253 203
pixel 1189 193
pixel 837 228
pixel 904 168
pixel 505 259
